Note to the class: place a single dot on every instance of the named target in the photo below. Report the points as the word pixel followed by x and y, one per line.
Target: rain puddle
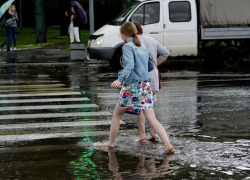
pixel 206 117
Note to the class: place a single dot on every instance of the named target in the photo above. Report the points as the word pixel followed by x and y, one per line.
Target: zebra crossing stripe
pixel 2 82
pixel 53 115
pixel 40 94
pixel 11 127
pixel 30 137
pixel 31 86
pixel 31 90
pixel 71 106
pixel 44 100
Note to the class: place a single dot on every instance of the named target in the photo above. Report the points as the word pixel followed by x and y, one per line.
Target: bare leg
pixel 114 128
pixel 141 125
pixel 150 116
pixel 115 124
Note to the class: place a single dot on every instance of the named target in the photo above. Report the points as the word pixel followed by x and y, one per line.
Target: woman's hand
pixel 116 84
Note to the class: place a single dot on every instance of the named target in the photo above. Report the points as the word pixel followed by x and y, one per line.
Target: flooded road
pixel 51 114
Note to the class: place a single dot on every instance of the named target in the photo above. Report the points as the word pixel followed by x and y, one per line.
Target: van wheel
pixel 117 62
pixel 231 56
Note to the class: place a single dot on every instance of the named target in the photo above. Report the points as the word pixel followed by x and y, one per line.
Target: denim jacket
pixel 137 64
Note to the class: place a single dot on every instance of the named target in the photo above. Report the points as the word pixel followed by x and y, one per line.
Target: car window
pixel 147 14
pixel 179 11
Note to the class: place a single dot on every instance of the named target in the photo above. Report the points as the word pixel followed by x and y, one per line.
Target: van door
pixel 149 15
pixel 180 27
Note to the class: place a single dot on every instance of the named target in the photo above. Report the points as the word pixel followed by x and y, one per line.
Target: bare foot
pixel 104 144
pixel 154 135
pixel 143 139
pixel 169 149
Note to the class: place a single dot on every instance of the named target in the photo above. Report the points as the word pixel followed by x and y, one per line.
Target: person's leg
pixel 114 128
pixel 71 34
pixel 9 38
pixel 141 125
pixel 5 42
pixel 2 45
pixel 14 30
pixel 115 124
pixel 150 116
pixel 76 33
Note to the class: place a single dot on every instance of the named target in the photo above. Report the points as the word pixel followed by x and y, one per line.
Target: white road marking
pixel 30 137
pixel 44 100
pixel 41 94
pixel 11 127
pixel 71 106
pixel 31 86
pixel 52 115
pixel 30 90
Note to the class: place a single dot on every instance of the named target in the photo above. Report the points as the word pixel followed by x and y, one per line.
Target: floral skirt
pixel 137 96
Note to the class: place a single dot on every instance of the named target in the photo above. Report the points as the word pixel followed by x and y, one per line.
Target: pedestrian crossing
pixel 40 108
pixel 40 94
pixel 74 106
pixel 44 100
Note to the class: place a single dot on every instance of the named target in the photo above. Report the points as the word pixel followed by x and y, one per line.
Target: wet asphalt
pixel 53 109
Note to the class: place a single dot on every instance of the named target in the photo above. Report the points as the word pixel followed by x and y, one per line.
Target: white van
pixel 184 27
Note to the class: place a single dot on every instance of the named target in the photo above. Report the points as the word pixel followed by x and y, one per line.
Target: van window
pixel 147 14
pixel 179 11
pixel 120 19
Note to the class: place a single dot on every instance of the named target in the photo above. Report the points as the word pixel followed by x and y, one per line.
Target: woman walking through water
pixel 159 54
pixel 74 25
pixel 136 92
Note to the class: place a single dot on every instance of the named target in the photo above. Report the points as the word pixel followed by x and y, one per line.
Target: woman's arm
pixel 163 53
pixel 16 15
pixel 128 58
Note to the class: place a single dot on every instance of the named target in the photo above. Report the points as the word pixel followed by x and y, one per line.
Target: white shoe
pixel 11 49
pixel 14 49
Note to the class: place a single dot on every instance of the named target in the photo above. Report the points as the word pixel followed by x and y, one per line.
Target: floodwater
pixel 206 115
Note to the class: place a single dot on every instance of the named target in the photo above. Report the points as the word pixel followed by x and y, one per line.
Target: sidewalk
pixel 36 56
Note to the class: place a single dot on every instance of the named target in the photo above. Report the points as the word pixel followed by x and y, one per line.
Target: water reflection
pixel 104 164
pixel 11 58
pixel 113 164
pixel 148 168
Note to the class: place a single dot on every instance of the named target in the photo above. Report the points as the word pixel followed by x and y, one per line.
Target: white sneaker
pixel 14 49
pixel 11 49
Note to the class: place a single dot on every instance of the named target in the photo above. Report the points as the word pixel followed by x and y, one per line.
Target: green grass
pixel 26 38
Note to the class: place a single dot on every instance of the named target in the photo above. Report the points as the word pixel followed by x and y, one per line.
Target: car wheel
pixel 231 56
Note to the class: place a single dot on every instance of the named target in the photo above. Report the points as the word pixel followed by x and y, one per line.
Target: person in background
pixel 135 91
pixel 14 26
pixel 150 16
pixel 8 22
pixel 65 21
pixel 74 25
pixel 159 54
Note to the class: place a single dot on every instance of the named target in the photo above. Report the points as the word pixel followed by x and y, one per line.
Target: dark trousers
pixel 14 30
pixel 9 39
